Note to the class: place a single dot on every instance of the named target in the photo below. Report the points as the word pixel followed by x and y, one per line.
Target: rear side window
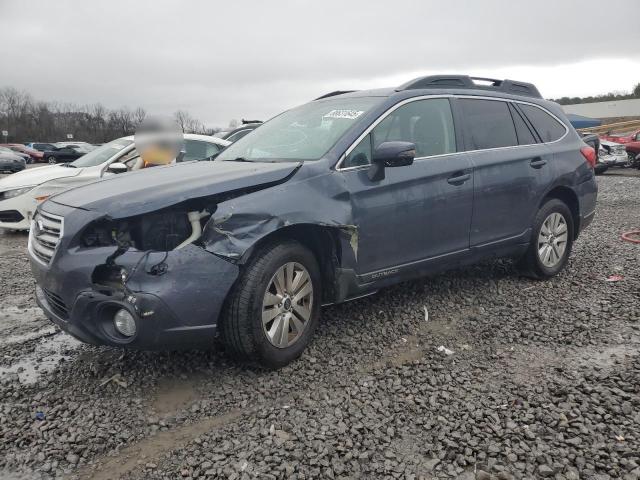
pixel 489 123
pixel 525 137
pixel 547 127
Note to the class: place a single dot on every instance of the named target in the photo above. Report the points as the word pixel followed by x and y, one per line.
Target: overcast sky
pixel 252 58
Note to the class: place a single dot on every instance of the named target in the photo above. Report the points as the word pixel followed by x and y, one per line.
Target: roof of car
pixel 447 85
pixel 195 136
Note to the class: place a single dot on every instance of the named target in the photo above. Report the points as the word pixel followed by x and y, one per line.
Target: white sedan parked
pixel 21 192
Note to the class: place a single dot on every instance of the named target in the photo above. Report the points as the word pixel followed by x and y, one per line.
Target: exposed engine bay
pixel 158 231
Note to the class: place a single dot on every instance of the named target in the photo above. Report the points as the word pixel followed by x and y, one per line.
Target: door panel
pixel 414 213
pixel 418 211
pixel 508 186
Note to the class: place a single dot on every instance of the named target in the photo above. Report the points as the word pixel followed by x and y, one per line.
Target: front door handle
pixel 537 162
pixel 459 178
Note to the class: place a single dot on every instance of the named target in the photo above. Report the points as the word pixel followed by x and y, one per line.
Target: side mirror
pixel 391 154
pixel 117 168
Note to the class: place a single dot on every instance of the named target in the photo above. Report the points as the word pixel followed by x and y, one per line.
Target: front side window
pixel 547 127
pixel 489 123
pixel 307 132
pixel 426 123
pixel 197 150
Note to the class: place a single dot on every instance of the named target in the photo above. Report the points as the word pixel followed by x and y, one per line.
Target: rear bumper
pixel 176 309
pixel 587 193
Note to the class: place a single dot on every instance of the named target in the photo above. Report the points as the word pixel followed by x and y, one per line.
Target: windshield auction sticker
pixel 347 114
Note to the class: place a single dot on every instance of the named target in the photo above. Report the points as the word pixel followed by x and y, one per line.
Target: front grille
pixel 11 216
pixel 46 230
pixel 57 304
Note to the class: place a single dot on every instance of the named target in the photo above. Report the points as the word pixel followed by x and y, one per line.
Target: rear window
pixel 489 124
pixel 548 128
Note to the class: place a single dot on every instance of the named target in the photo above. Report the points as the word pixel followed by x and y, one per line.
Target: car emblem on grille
pixel 40 224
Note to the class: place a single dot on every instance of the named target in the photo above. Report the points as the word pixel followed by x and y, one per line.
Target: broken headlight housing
pixel 99 234
pixel 158 231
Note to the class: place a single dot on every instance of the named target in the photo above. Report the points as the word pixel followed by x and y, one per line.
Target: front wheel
pixel 274 307
pixel 551 241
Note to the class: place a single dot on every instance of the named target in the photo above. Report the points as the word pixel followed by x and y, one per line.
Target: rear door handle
pixel 459 178
pixel 537 162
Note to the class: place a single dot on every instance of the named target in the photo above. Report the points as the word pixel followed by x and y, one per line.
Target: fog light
pixel 124 323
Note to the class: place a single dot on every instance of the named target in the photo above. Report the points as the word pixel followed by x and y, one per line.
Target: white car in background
pixel 613 154
pixel 21 192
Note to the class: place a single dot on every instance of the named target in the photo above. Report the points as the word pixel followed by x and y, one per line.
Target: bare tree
pixel 29 120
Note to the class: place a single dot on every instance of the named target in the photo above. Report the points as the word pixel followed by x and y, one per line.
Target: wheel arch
pixel 569 197
pixel 324 241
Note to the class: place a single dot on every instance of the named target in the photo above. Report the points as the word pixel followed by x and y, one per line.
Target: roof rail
pixel 333 94
pixel 477 83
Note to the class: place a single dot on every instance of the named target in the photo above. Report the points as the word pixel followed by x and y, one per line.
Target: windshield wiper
pixel 240 159
pixel 69 165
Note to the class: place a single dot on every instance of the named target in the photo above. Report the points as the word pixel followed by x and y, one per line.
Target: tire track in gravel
pixel 128 459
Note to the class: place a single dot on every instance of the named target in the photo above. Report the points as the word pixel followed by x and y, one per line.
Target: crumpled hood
pixel 136 193
pixel 36 176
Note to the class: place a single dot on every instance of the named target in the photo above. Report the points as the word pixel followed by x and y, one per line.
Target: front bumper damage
pixel 178 308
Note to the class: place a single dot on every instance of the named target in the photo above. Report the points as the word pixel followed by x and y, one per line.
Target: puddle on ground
pixel 174 394
pixel 44 359
pixel 28 336
pixel 16 320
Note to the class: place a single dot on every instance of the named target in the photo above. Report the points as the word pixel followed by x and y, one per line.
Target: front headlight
pixel 15 192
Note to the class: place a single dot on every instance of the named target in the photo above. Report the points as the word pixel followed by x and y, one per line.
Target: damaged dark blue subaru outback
pixel 324 203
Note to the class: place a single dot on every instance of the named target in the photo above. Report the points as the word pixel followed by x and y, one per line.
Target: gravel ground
pixel 539 380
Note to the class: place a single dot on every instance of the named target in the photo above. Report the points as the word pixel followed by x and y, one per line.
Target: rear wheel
pixel 52 160
pixel 274 308
pixel 551 241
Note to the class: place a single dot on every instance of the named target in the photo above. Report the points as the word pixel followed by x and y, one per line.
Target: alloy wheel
pixel 287 305
pixel 552 240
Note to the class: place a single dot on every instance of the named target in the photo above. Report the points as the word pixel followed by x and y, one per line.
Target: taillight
pixel 589 155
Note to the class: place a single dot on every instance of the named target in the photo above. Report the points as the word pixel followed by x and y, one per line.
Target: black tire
pixel 242 330
pixel 52 160
pixel 530 264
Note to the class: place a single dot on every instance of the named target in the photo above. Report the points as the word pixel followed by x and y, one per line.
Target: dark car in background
pixel 236 134
pixel 40 146
pixel 325 203
pixel 26 158
pixel 593 141
pixel 11 162
pixel 66 153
